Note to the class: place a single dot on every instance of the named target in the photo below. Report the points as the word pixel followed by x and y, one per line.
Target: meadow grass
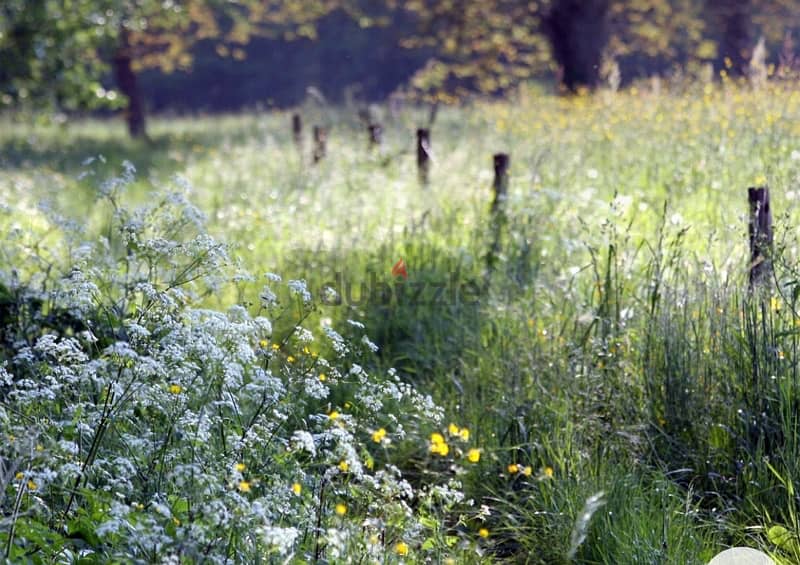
pixel 632 400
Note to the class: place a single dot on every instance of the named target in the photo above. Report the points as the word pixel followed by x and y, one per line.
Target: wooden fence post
pixel 760 229
pixel 375 135
pixel 320 143
pixel 297 129
pixel 500 185
pixel 497 219
pixel 423 155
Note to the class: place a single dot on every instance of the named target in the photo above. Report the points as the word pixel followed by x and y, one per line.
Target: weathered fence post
pixel 497 219
pixel 760 229
pixel 500 185
pixel 297 129
pixel 423 155
pixel 375 135
pixel 320 143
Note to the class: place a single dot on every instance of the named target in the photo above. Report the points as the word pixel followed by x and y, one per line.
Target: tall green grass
pixel 614 348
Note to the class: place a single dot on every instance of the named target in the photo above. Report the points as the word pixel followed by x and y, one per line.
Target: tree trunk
pixel 736 43
pixel 129 86
pixel 578 33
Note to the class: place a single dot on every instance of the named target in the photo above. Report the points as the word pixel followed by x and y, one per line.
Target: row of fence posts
pixel 759 224
pixel 375 135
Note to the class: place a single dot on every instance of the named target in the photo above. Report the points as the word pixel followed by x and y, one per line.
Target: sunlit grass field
pixel 630 400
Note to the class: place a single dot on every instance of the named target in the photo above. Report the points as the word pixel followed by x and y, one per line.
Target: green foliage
pixel 629 399
pixel 153 429
pixel 47 54
pixel 58 53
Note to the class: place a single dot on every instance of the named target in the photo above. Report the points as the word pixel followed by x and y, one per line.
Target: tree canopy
pixel 61 52
pixel 56 51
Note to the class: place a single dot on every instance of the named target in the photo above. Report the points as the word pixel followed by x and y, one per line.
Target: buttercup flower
pixel 401 548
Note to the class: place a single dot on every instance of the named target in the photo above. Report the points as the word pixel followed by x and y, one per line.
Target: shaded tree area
pixel 734 23
pixel 578 32
pixel 219 55
pixel 343 57
pixel 63 54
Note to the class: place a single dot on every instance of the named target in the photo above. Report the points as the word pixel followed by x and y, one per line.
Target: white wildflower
pixel 300 288
pixel 303 440
pixel 282 539
pixel 268 298
pixel 366 341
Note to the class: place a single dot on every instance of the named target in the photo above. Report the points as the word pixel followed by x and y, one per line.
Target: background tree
pixel 734 22
pixel 59 50
pixel 578 33
pixel 140 34
pixel 68 53
pixel 47 57
pixel 490 45
pixel 478 46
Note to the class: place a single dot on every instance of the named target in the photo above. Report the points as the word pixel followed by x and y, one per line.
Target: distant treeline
pixel 367 64
pixel 345 60
pixel 206 55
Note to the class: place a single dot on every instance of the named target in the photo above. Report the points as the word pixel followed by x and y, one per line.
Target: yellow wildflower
pixel 297 488
pixel 453 429
pixel 32 485
pixel 483 532
pixel 333 415
pixel 239 467
pixel 322 377
pixel 513 468
pixel 401 548
pixel 548 472
pixel 378 435
pixel 341 509
pixel 19 476
pixel 244 486
pixel 276 346
pixel 437 438
pixel 175 388
pixel 344 466
pixel 440 448
pixel 290 359
pixel 263 343
pixel 463 433
pixel 527 471
pixel 474 455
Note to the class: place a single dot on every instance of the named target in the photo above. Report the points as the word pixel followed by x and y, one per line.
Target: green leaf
pixel 781 537
pixel 430 523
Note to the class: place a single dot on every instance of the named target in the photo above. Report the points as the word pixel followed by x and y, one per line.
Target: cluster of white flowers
pixel 188 434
